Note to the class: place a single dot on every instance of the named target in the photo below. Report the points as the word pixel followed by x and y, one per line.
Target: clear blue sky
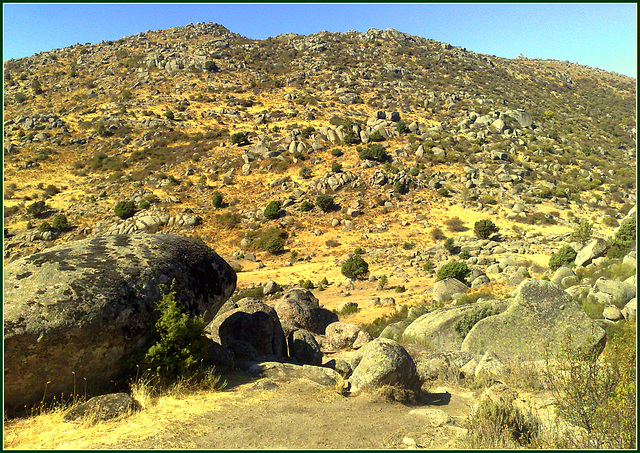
pixel 598 35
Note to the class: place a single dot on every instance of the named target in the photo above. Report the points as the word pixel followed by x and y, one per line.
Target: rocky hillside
pixel 379 140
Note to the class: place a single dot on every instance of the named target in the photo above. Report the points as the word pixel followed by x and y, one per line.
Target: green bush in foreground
pixel 306 205
pixel 325 202
pixel 563 257
pixel 178 346
pixel 471 317
pixel 272 211
pixel 216 200
pixel 624 240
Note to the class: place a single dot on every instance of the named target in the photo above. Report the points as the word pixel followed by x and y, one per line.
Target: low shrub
pixel 374 152
pixel 454 269
pixel 437 234
pixel 306 173
pixel 471 317
pixel 455 224
pixel 582 233
pixel 355 267
pixel 37 209
pixel 60 222
pixel 336 167
pixel 325 202
pixel 336 152
pixel 484 228
pixel 240 138
pixel 306 205
pixel 428 266
pixel 272 211
pixel 563 257
pixel 624 239
pixel 217 200
pixel 376 327
pixel 124 209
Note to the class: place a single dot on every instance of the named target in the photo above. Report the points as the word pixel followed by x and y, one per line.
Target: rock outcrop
pixel 75 311
pixel 541 316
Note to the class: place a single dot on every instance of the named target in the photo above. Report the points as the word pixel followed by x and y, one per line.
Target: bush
pixel 336 152
pixel 306 205
pixel 471 317
pixel 168 114
pixel 456 225
pixel 355 267
pixel 596 393
pixel 454 269
pixel 240 138
pixel 178 346
pixel 402 128
pixel 428 266
pixel 464 255
pixel 484 228
pixel 306 284
pixel 216 200
pixel 210 66
pixel 374 152
pixel 44 227
pixel 399 188
pixel 624 240
pixel 582 233
pixel 37 209
pixel 325 202
pixel 336 167
pixel 437 234
pixel 501 425
pixel 271 240
pixel 443 192
pixel 305 173
pixel 272 211
pixel 60 222
pixel 350 138
pixel 563 257
pixel 449 246
pixel 124 209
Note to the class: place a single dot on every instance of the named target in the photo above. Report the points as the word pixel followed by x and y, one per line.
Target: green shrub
pixel 582 233
pixel 501 425
pixel 563 257
pixel 383 282
pixel 355 267
pixel 428 266
pixel 400 289
pixel 306 205
pixel 306 284
pixel 624 239
pixel 272 211
pixel 437 234
pixel 240 138
pixel 216 200
pixel 455 269
pixel 443 192
pixel 271 240
pixel 359 251
pixel 210 66
pixel 168 114
pixel 376 136
pixel 350 138
pixel 336 167
pixel 60 222
pixel 124 209
pixel 325 202
pixel 37 209
pixel 484 228
pixel 274 245
pixel 597 392
pixel 178 346
pixel 336 152
pixel 454 224
pixel 408 245
pixel 449 246
pixel 402 128
pixel 44 227
pixel 399 188
pixel 374 152
pixel 305 173
pixel 471 317
pixel 464 255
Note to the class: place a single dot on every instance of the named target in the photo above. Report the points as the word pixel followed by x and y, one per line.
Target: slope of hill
pixel 403 132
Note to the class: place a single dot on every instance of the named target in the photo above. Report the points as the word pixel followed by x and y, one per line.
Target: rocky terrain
pixel 293 155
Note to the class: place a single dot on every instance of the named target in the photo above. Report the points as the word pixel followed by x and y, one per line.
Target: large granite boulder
pixel 620 292
pixel 540 318
pixel 299 309
pixel 591 251
pixel 384 362
pixel 444 290
pixel 250 321
pixel 341 335
pixel 73 312
pixel 437 329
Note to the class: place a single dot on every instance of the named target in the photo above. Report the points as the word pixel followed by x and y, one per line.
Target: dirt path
pixel 303 415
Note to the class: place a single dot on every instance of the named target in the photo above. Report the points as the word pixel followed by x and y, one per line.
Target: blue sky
pixel 597 35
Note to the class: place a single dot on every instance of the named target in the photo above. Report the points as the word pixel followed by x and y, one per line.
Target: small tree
pixel 306 205
pixel 216 200
pixel 37 209
pixel 272 211
pixel 168 114
pixel 60 222
pixel 582 233
pixel 454 269
pixel 355 267
pixel 336 167
pixel 563 257
pixel 484 228
pixel 240 138
pixel 325 202
pixel 305 173
pixel 124 209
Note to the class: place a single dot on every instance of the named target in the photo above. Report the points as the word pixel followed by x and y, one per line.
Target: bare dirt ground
pixel 256 414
